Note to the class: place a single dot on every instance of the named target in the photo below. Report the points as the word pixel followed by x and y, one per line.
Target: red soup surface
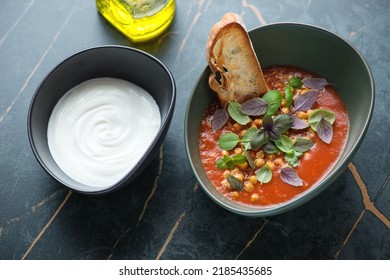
pixel 313 165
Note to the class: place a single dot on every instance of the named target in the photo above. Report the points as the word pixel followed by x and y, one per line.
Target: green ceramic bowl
pixel 312 48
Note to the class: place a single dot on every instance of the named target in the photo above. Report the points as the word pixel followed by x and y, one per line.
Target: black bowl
pixel 119 62
pixel 312 48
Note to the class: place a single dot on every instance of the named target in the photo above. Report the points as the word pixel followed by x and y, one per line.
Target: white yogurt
pixel 100 129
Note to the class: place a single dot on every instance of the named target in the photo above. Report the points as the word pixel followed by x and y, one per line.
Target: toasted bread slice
pixel 236 72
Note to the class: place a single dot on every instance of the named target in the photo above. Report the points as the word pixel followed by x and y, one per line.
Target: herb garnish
pixel 254 107
pixel 315 83
pixel 273 137
pixel 235 184
pixel 220 118
pixel 234 110
pixel 290 176
pixel 264 174
pixel 305 101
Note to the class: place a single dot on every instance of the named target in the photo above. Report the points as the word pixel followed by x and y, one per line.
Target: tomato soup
pixel 310 166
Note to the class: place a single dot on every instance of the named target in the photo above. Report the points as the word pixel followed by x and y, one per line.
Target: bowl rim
pixel 165 122
pixel 332 173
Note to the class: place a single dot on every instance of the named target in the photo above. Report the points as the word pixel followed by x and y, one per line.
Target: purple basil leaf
pixel 315 83
pixel 220 117
pixel 325 130
pixel 254 107
pixel 268 123
pixel 290 176
pixel 298 123
pixel 304 101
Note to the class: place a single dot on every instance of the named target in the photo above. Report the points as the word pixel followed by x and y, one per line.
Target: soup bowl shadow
pixel 119 62
pixel 312 48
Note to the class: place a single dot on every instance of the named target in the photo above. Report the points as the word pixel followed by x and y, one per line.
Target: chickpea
pixel 237 126
pixel 258 122
pixel 260 154
pixel 255 197
pixel 239 176
pixel 253 179
pixel 238 151
pixel 235 195
pixel 302 115
pixel 248 186
pixel 308 112
pixel 235 171
pixel 226 173
pixel 243 166
pixel 259 162
pixel 242 132
pixel 270 156
pixel 306 155
pixel 279 161
pixel 285 110
pixel 225 153
pixel 304 90
pixel 279 85
pixel 271 165
pixel 226 184
pixel 283 103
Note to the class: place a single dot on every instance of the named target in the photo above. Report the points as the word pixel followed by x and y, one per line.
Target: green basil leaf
pixel 274 134
pixel 268 123
pixel 235 184
pixel 270 148
pixel 250 159
pixel 228 141
pixel 284 144
pixel 318 114
pixel 274 99
pixel 292 158
pixel 264 174
pixel 283 122
pixel 247 137
pixel 295 82
pixel 238 159
pixel 288 94
pixel 221 164
pixel 229 162
pixel 259 139
pixel 302 144
pixel 234 110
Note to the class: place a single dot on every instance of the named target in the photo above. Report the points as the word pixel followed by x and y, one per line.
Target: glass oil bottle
pixel 139 20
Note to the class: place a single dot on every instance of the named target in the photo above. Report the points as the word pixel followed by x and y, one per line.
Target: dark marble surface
pixel 163 214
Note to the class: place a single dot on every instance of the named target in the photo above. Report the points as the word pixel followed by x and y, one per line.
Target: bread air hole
pixel 218 77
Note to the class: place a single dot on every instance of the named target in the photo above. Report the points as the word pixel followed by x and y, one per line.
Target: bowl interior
pixel 107 61
pixel 316 50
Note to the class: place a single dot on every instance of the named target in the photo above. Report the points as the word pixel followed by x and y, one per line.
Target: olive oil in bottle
pixel 139 20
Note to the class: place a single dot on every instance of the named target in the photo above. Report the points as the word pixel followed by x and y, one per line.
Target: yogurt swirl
pixel 100 129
